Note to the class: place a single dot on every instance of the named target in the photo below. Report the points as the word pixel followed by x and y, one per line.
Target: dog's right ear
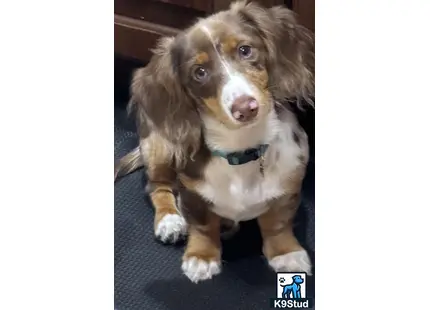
pixel 158 98
pixel 290 49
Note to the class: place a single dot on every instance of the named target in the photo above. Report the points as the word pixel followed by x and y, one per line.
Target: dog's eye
pixel 245 51
pixel 200 74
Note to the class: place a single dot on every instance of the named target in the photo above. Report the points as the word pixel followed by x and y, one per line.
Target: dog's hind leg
pixel 288 292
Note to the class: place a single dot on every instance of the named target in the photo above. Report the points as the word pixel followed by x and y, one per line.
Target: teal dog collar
pixel 240 158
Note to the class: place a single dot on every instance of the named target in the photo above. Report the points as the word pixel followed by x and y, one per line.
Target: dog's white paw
pixel 197 269
pixel 298 261
pixel 171 228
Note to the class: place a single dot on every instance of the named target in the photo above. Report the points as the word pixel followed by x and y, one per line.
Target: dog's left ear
pixel 290 48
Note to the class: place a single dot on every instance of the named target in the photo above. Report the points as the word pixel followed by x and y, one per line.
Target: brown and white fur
pixel 183 102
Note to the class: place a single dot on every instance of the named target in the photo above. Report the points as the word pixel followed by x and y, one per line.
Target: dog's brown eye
pixel 245 51
pixel 200 74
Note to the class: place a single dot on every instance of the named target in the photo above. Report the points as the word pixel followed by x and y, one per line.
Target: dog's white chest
pixel 241 192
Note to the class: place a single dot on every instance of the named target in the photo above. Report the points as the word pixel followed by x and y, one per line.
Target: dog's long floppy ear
pixel 158 98
pixel 290 47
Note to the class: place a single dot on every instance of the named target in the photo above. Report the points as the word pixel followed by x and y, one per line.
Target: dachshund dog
pixel 218 137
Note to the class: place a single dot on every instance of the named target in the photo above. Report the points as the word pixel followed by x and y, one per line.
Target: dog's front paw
pixel 171 228
pixel 197 269
pixel 298 261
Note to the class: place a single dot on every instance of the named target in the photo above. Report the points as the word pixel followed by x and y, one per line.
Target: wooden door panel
pixel 157 13
pixel 224 4
pixel 205 6
pixel 305 10
pixel 139 23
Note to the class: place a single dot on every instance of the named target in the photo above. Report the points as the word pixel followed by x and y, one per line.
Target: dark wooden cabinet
pixel 204 6
pixel 139 23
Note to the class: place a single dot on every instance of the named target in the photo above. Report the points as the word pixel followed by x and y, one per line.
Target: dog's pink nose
pixel 244 108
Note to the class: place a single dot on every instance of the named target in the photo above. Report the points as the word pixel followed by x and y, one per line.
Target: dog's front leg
pixel 169 225
pixel 280 246
pixel 202 258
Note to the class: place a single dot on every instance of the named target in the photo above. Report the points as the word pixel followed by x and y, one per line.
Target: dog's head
pixel 298 279
pixel 230 67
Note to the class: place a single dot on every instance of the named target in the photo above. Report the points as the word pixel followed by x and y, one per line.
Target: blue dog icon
pixel 292 290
